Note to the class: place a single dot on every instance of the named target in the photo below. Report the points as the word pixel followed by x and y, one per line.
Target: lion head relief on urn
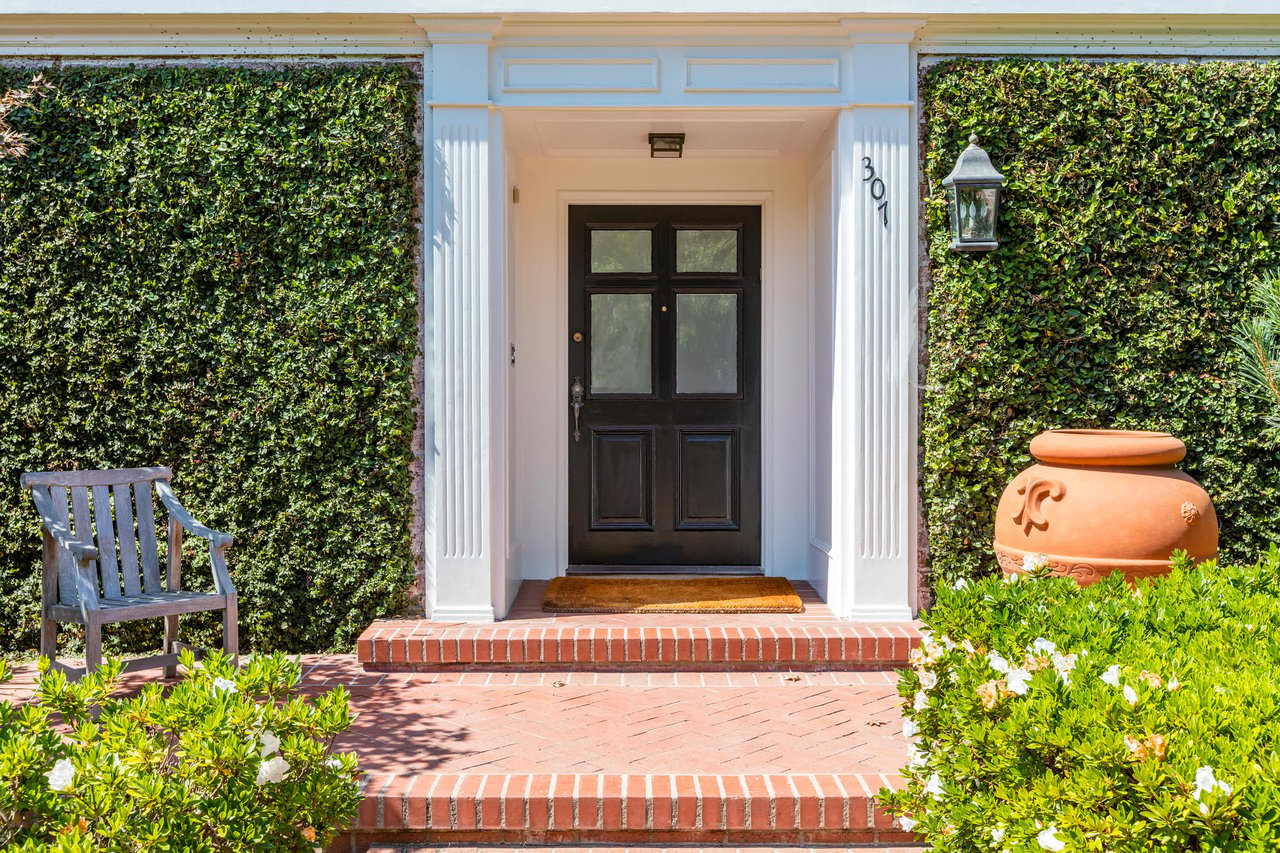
pixel 1099 501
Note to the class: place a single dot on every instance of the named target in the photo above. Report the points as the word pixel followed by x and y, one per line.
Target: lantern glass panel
pixel 975 213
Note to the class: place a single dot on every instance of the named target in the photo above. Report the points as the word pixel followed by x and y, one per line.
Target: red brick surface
pixel 732 753
pixel 529 638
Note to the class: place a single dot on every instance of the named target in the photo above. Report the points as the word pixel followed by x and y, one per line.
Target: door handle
pixel 576 392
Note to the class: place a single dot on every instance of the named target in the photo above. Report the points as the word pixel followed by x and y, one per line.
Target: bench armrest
pixel 195 528
pixel 60 532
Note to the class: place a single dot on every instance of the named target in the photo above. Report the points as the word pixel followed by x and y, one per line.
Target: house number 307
pixel 877 189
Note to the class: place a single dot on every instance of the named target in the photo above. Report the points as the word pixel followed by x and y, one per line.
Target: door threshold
pixel 647 571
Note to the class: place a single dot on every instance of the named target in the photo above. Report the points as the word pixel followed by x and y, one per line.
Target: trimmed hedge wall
pixel 1141 200
pixel 215 270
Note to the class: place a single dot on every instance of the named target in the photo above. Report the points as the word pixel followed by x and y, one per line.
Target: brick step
pixel 582 809
pixel 650 848
pixel 420 645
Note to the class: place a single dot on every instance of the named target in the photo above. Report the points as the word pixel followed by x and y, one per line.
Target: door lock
pixel 576 395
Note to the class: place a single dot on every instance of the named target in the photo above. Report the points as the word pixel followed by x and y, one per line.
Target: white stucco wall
pixel 540 334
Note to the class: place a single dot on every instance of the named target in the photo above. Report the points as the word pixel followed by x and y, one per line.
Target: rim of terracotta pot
pixel 1107 447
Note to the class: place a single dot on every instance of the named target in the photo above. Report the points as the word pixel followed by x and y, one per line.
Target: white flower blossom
pixel 1043 646
pixel 1063 665
pixel 1173 683
pixel 934 786
pixel 61 775
pixel 906 823
pixel 1034 562
pixel 1018 679
pixel 1131 695
pixel 997 661
pixel 910 728
pixel 967 646
pixel 997 834
pixel 960 584
pixel 272 770
pixel 225 684
pixel 333 762
pixel 916 757
pixel 1112 675
pixel 270 743
pixel 928 680
pixel 1132 743
pixel 922 701
pixel 1205 783
pixel 1049 839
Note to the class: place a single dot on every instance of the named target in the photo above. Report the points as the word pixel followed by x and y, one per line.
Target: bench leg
pixel 170 643
pixel 92 645
pixel 49 638
pixel 231 632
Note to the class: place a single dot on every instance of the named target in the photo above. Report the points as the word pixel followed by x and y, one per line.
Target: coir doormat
pixel 671 595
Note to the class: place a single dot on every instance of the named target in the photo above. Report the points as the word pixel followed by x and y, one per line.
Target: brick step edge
pixel 559 807
pixel 583 848
pixel 394 646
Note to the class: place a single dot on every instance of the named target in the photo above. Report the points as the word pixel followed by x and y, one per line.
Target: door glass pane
pixel 622 251
pixel 707 251
pixel 706 343
pixel 621 343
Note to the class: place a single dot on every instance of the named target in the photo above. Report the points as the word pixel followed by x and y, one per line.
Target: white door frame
pixel 768 382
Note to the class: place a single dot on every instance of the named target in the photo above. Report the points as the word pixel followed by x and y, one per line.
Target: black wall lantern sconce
pixel 666 145
pixel 973 190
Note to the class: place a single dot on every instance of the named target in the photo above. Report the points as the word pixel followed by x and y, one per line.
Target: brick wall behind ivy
pixel 1141 200
pixel 215 269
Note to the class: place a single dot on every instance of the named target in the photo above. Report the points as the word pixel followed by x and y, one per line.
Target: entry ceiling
pixel 622 133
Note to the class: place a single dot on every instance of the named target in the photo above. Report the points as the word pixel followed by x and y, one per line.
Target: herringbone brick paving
pixel 576 753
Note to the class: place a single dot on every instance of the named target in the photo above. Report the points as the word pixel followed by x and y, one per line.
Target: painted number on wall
pixel 877 189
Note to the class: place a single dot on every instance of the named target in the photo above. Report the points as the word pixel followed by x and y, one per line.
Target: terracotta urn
pixel 1099 501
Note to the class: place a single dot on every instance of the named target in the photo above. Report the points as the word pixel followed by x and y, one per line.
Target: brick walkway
pixel 571 749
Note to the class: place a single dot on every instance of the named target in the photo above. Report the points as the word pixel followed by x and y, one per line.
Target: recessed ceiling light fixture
pixel 666 145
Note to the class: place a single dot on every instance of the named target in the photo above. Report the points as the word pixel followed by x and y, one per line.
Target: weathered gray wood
pixel 66 561
pixel 131 587
pixel 231 629
pixel 173 582
pixel 83 529
pixel 195 528
pixel 107 566
pixel 147 542
pixel 127 540
pixel 92 643
pixel 145 606
pixel 48 597
pixel 114 477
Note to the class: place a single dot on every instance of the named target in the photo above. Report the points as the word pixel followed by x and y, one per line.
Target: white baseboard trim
pixel 463 614
pixel 879 613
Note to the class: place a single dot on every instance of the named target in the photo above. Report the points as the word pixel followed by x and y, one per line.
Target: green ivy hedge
pixel 1142 199
pixel 214 269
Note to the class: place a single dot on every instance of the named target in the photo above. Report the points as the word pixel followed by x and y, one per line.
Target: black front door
pixel 664 357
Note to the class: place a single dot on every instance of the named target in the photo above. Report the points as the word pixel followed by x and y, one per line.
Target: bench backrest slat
pixel 108 568
pixel 128 541
pixel 147 543
pixel 67 593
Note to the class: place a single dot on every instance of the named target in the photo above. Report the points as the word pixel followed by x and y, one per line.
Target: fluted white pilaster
pixel 464 229
pixel 873 435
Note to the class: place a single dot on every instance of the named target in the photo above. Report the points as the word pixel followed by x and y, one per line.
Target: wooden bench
pixel 83 580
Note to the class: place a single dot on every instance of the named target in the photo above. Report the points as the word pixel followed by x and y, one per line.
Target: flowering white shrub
pixel 225 760
pixel 1045 717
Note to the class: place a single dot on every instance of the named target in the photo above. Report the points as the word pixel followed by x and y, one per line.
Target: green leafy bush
pixel 1142 200
pixel 215 269
pixel 226 759
pixel 1049 717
